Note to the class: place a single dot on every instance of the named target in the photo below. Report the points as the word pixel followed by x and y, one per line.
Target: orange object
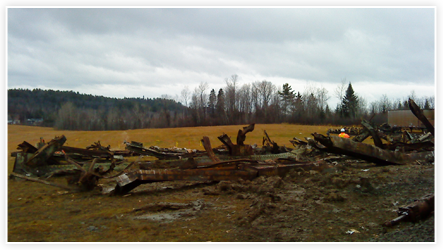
pixel 344 135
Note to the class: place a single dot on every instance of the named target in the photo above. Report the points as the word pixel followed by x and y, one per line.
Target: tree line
pixel 256 102
pixel 74 111
pixel 263 102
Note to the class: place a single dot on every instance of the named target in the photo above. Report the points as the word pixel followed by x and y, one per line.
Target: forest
pixel 257 102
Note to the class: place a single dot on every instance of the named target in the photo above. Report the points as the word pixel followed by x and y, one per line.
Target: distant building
pixel 405 118
pixel 34 121
pixel 13 119
pixel 16 122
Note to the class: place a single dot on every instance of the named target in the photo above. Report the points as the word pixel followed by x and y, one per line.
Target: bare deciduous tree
pixel 341 89
pixel 185 95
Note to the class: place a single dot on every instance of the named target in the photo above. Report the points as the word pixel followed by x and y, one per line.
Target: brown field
pixel 185 137
pixel 303 211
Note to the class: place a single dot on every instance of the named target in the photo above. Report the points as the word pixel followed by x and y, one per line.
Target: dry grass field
pixel 298 209
pixel 169 137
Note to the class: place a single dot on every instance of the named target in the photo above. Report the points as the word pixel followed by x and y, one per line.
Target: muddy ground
pixel 346 203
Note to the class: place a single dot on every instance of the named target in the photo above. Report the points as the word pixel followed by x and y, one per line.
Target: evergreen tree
pixel 287 96
pixel 220 106
pixel 349 104
pixel 427 106
pixel 212 102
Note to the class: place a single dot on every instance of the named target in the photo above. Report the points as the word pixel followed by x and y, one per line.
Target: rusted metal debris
pixel 171 165
pixel 270 144
pixel 51 157
pixel 417 210
pixel 98 146
pixel 162 154
pixel 87 153
pixel 373 133
pixel 82 178
pixel 226 170
pixel 397 138
pixel 239 149
pixel 33 161
pixel 41 156
pixel 297 142
pixel 371 153
pixel 419 114
pixel 207 145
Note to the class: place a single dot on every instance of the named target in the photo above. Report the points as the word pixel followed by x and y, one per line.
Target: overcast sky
pixel 124 52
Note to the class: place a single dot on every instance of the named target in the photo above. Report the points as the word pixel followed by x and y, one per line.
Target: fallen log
pixel 371 153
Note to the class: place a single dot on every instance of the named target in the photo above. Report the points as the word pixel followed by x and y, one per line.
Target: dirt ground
pixel 347 204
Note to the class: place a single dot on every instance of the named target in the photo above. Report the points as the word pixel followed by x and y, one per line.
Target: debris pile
pixel 84 169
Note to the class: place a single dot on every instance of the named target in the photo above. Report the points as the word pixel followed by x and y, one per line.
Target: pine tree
pixel 287 96
pixel 220 106
pixel 212 102
pixel 349 104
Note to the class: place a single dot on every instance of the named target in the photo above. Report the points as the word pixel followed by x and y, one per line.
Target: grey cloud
pixel 156 47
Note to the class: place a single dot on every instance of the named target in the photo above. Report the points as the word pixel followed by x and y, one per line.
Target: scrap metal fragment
pixel 98 146
pixel 275 149
pixel 297 142
pixel 87 152
pixel 41 156
pixel 43 182
pixel 241 136
pixel 239 149
pixel 207 145
pixel 37 162
pixel 138 148
pixel 417 210
pixel 26 147
pixel 373 132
